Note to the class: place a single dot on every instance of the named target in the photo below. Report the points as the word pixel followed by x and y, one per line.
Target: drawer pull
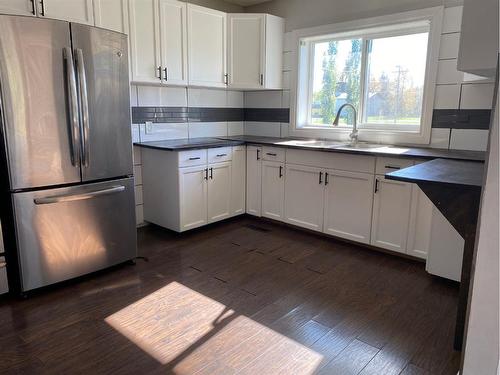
pixel 376 185
pixel 221 155
pixel 195 158
pixel 392 167
pixel 271 154
pixel 281 172
pixel 320 178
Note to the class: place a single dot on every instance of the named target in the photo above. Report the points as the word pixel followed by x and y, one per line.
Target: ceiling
pixel 246 3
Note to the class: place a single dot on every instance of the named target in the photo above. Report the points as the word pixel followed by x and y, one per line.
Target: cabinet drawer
pixel 273 153
pixel 219 154
pixel 4 286
pixel 192 157
pixel 386 165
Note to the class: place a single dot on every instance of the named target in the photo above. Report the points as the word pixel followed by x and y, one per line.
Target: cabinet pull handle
pixel 221 155
pixel 33 9
pixel 42 3
pixel 271 154
pixel 326 178
pixel 281 172
pixel 159 73
pixel 166 73
pixel 376 185
pixel 195 158
pixel 206 173
pixel 258 154
pixel 392 167
pixel 211 173
pixel 226 79
pixel 320 178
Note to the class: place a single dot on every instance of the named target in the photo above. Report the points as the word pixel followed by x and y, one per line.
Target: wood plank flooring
pixel 244 296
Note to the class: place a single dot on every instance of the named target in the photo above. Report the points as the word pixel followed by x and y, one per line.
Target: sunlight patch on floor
pixel 182 328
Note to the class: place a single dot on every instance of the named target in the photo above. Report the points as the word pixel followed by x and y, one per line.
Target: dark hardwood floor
pixel 243 296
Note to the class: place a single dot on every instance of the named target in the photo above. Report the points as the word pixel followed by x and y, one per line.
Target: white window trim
pixel 351 29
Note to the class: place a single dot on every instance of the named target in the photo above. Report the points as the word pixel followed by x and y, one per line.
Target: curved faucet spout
pixel 354 133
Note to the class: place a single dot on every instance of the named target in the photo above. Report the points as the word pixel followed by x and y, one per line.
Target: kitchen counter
pixel 189 144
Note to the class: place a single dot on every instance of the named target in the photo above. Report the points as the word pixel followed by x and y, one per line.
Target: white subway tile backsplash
pixel 449 46
pixel 287 42
pixel 135 133
pixel 235 99
pixel 161 96
pixel 206 97
pixel 469 139
pixel 285 130
pixel 139 214
pixel 161 132
pixel 285 99
pixel 452 19
pixel 207 129
pixel 137 155
pixel 137 175
pixel 235 128
pixel 133 96
pixel 448 73
pixel 138 194
pixel 447 97
pixel 174 96
pixel 148 96
pixel 287 61
pixel 440 138
pixel 477 96
pixel 266 129
pixel 263 99
pixel 286 80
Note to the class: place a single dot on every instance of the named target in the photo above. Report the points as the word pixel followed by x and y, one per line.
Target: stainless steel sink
pixel 311 143
pixel 360 146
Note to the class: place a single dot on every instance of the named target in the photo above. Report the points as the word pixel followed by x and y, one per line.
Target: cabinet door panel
pixel 419 232
pixel 304 197
pixel 144 41
pixel 20 7
pixel 206 46
pixel 391 214
pixel 348 205
pixel 273 189
pixel 173 39
pixel 219 191
pixel 193 197
pixel 254 180
pixel 246 45
pixel 238 179
pixel 73 11
pixel 112 15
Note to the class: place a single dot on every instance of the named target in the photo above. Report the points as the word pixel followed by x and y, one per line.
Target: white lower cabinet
pixel 219 191
pixel 273 189
pixel 420 225
pixel 238 180
pixel 304 196
pixel 348 205
pixel 391 214
pixel 254 180
pixel 193 197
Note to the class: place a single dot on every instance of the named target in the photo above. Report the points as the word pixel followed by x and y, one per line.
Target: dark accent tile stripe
pixel 461 118
pixel 267 114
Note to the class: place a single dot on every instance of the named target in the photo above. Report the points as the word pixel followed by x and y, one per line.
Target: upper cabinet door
pixel 145 41
pixel 246 50
pixel 21 7
pixel 112 15
pixel 73 11
pixel 206 46
pixel 173 39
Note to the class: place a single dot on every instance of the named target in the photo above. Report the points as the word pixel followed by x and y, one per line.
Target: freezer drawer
pixel 68 232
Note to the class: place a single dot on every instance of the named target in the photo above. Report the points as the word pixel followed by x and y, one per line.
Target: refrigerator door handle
pixel 73 106
pixel 84 105
pixel 79 197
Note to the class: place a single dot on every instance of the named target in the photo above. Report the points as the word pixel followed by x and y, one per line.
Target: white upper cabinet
pixel 391 213
pixel 144 41
pixel 255 51
pixel 20 7
pixel 304 191
pixel 219 191
pixel 173 41
pixel 273 189
pixel 112 15
pixel 206 46
pixel 254 180
pixel 348 205
pixel 80 11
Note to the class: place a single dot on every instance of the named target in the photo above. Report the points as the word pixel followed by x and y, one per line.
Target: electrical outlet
pixel 149 127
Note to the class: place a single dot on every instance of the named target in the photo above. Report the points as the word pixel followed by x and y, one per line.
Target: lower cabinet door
pixel 254 180
pixel 273 189
pixel 348 205
pixel 193 196
pixel 391 214
pixel 419 231
pixel 304 196
pixel 238 179
pixel 219 191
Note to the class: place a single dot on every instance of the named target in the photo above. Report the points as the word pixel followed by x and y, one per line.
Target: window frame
pixel 424 20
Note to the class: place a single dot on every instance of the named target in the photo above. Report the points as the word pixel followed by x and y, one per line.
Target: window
pixel 387 72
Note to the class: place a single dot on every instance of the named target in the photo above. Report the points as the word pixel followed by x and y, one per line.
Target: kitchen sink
pixel 360 145
pixel 311 143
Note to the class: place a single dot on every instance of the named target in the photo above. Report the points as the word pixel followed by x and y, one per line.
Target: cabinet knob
pixel 166 73
pixel 159 73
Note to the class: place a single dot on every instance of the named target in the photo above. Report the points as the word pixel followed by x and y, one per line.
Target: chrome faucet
pixel 354 133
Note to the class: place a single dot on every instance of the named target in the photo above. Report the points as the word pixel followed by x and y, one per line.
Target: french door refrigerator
pixel 67 174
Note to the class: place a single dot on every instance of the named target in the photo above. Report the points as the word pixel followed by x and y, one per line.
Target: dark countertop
pixel 382 150
pixel 189 144
pixel 457 173
pixel 313 144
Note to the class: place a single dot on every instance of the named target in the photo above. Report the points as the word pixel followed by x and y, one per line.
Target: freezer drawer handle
pixel 84 104
pixel 79 197
pixel 73 106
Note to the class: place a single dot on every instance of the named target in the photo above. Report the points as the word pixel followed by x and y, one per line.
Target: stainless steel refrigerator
pixel 67 172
